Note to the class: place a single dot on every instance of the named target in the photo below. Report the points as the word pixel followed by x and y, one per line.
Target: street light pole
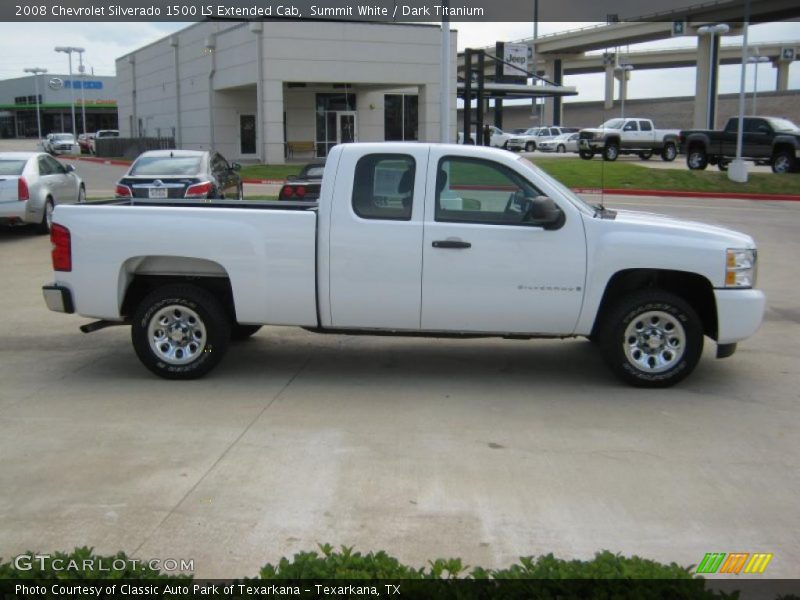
pixel 757 60
pixel 36 71
pixel 711 31
pixel 737 170
pixel 68 50
pixel 82 71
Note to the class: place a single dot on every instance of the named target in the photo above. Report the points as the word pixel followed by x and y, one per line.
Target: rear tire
pixel 723 166
pixel 180 331
pixel 652 339
pixel 562 149
pixel 586 154
pixel 646 155
pixel 47 217
pixel 669 153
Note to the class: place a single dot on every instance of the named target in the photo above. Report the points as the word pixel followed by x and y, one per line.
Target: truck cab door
pixel 375 240
pixel 486 266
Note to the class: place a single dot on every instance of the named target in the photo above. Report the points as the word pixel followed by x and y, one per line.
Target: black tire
pixel 195 311
pixel 586 154
pixel 633 327
pixel 44 226
pixel 669 152
pixel 505 145
pixel 530 147
pixel 562 149
pixel 646 155
pixel 611 152
pixel 784 162
pixel 242 332
pixel 697 159
pixel 722 165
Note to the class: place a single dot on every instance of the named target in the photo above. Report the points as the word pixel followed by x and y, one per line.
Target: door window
pixel 645 126
pixel 44 166
pixel 383 187
pixel 471 190
pixel 630 126
pixel 55 166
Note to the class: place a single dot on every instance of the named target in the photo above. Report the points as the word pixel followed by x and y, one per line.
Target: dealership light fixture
pixel 36 71
pixel 68 50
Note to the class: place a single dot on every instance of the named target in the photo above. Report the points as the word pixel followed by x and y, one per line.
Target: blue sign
pixel 75 84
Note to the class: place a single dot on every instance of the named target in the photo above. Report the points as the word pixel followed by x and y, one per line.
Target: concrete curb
pixel 688 194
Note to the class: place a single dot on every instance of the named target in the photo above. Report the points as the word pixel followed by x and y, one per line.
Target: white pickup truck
pixel 630 135
pixel 409 239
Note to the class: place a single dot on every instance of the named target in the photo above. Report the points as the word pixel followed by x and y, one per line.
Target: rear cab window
pixel 383 187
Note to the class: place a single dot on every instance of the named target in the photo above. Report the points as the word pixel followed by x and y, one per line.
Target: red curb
pixel 103 161
pixel 688 194
pixel 264 181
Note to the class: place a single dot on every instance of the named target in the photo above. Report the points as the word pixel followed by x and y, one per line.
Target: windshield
pixel 532 131
pixel 612 124
pixel 783 125
pixel 568 193
pixel 166 165
pixel 63 137
pixel 12 167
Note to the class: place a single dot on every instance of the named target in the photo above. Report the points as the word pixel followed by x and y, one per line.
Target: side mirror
pixel 69 168
pixel 544 212
pixel 236 166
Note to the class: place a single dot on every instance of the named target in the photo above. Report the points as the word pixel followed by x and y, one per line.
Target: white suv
pixel 531 138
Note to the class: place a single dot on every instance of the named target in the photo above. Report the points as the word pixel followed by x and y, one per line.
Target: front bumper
pixel 589 144
pixel 58 298
pixel 739 314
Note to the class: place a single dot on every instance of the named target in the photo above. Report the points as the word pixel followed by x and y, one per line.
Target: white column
pixel 272 122
pixel 609 99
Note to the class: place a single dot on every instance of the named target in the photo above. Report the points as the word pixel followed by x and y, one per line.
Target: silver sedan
pixel 567 142
pixel 32 184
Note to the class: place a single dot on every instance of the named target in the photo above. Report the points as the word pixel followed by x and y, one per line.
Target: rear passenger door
pixel 375 243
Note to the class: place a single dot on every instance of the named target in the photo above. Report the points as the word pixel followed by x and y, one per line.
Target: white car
pixel 61 143
pixel 530 140
pixel 32 184
pixel 414 239
pixel 566 142
pixel 499 139
pixel 99 135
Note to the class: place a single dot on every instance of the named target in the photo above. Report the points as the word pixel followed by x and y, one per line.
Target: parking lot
pixel 484 449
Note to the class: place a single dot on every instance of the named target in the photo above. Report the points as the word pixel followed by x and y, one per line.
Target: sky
pixel 104 42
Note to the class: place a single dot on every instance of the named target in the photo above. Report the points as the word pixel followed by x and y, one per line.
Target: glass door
pixel 346 127
pixel 247 134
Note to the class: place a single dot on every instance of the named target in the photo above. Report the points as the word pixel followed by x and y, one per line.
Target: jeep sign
pixel 517 55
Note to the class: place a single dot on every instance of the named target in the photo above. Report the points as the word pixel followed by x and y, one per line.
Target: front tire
pixel 530 147
pixel 180 331
pixel 697 160
pixel 646 155
pixel 561 149
pixel 586 154
pixel 611 152
pixel 652 339
pixel 783 162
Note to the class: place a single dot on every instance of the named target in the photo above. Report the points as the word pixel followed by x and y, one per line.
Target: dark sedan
pixel 181 174
pixel 305 185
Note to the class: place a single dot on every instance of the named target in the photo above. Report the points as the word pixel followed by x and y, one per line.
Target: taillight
pixel 123 191
pixel 199 190
pixel 287 191
pixel 300 191
pixel 62 248
pixel 22 190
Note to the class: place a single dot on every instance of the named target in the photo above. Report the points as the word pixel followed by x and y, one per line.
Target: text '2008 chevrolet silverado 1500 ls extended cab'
pixel 410 239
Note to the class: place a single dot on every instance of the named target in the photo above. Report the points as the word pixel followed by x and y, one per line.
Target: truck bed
pixel 250 204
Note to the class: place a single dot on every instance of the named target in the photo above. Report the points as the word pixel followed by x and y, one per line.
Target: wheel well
pixel 612 141
pixel 695 289
pixel 782 147
pixel 141 285
pixel 696 145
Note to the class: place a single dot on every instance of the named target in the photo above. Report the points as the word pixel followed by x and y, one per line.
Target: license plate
pixel 157 192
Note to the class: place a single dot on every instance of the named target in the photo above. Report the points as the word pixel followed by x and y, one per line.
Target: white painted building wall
pixel 374 59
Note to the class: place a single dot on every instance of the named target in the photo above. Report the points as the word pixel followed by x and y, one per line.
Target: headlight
pixel 740 268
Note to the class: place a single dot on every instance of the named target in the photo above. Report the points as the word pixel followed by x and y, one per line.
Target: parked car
pixel 85 142
pixel 498 139
pixel 629 135
pixel 766 140
pixel 566 142
pixel 530 140
pixel 62 143
pixel 181 174
pixel 101 134
pixel 32 184
pixel 415 239
pixel 305 186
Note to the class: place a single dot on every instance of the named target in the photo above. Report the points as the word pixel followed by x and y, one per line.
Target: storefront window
pixel 400 117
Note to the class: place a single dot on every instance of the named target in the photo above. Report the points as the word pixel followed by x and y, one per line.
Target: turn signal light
pixel 62 248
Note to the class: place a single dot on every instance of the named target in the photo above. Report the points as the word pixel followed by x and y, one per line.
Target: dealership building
pixel 277 90
pixel 94 97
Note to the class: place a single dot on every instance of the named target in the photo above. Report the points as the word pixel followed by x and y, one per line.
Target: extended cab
pixel 409 239
pixel 630 135
pixel 770 140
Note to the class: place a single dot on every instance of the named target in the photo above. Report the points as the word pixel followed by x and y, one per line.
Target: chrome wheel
pixel 611 152
pixel 654 342
pixel 670 152
pixel 782 164
pixel 176 334
pixel 48 214
pixel 697 160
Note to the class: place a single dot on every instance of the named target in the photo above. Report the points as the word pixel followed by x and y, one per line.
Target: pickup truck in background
pixel 409 239
pixel 630 135
pixel 769 140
